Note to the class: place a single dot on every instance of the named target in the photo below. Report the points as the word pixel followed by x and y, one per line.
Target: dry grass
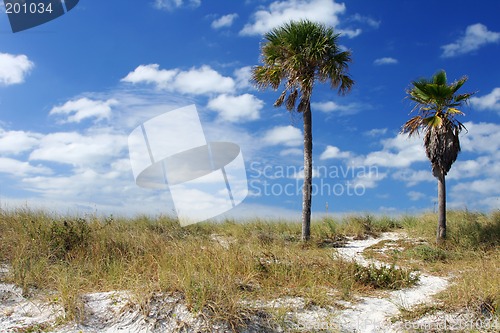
pixel 216 266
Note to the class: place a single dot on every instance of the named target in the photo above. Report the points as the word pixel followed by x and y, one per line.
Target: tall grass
pixel 216 266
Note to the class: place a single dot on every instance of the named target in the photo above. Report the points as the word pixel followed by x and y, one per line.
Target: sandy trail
pixel 373 314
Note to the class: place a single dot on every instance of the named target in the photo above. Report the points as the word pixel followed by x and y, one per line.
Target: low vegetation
pixel 220 268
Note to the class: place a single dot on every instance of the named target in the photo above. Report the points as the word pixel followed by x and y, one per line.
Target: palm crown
pixel 436 103
pixel 299 53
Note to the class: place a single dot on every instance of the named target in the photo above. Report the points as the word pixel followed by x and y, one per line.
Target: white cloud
pixel 489 186
pixel 471 168
pixel 350 33
pixel 83 108
pixel 332 152
pixel 330 106
pixel 196 81
pixel 224 21
pixel 364 19
pixel 88 187
pixel 413 177
pixel 369 179
pixel 279 12
pixel 357 18
pixel 385 61
pixel 20 168
pixel 151 74
pixel 481 138
pixel 283 135
pixel 491 203
pixel 476 36
pixel 14 68
pixel 292 152
pixel 415 196
pixel 243 76
pixel 237 108
pixel 80 150
pixel 174 4
pixel 398 152
pixel 203 80
pixel 490 101
pixel 16 142
pixel 376 132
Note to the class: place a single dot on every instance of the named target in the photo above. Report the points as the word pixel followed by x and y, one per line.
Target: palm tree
pixel 436 103
pixel 297 54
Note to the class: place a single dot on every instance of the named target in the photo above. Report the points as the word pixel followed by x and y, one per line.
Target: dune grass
pixel 471 255
pixel 220 268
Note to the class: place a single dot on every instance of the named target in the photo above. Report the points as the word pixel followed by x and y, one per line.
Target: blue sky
pixel 73 89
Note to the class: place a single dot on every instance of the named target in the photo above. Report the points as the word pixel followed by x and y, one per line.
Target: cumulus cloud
pixel 16 142
pixel 203 80
pixel 78 150
pixel 196 81
pixel 476 36
pixel 490 101
pixel 21 168
pixel 292 152
pixel 174 4
pixel 376 132
pixel 369 179
pixel 413 177
pixel 481 138
pixel 385 61
pixel 332 152
pixel 243 76
pixel 237 108
pixel 84 108
pixel 279 12
pixel 341 109
pixel 398 152
pixel 471 168
pixel 350 33
pixel 14 68
pixel 283 135
pixel 488 186
pixel 224 21
pixel 151 74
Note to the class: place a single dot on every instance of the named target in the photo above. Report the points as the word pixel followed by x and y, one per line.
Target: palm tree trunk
pixel 307 188
pixel 441 231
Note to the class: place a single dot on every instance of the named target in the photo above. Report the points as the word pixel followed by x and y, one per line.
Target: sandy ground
pixel 373 314
pixel 114 312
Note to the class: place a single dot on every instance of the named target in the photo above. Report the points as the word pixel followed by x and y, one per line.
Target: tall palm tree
pixel 298 54
pixel 436 103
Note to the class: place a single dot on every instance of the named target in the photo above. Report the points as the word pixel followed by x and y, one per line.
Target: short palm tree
pixel 436 104
pixel 298 54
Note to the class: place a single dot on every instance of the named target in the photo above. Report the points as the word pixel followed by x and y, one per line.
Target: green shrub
pixel 385 277
pixel 427 253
